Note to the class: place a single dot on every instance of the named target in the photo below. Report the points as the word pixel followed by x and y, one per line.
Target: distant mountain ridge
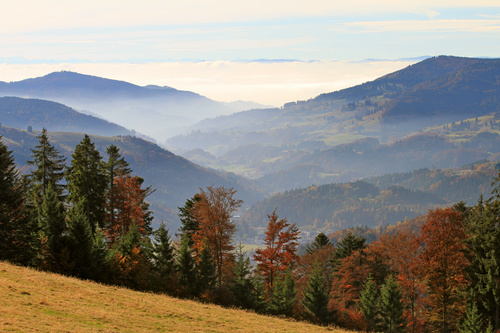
pixel 21 113
pixel 156 111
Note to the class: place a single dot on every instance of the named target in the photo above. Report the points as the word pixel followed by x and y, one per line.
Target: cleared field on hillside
pixel 43 302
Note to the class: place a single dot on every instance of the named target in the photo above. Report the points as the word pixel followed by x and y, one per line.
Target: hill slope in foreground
pixel 43 302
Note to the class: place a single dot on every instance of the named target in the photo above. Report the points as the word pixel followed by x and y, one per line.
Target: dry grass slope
pixel 43 302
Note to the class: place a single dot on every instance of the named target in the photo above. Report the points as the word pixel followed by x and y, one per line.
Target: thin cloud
pixel 425 26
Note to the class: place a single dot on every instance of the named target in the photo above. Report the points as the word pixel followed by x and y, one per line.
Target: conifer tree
pixel 205 273
pixel 15 226
pixel 87 182
pixel 189 222
pixel 473 322
pixel 391 307
pixel 283 295
pixel 49 169
pixel 316 295
pixel 348 245
pixel 185 267
pixel 163 255
pixel 80 241
pixel 244 285
pixel 368 304
pixel 52 226
pixel 320 241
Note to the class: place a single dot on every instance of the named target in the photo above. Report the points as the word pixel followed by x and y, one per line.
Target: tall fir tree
pixel 163 252
pixel 243 285
pixel 189 223
pixel 320 241
pixel 368 304
pixel 283 295
pixel 49 167
pixel 15 225
pixel 80 241
pixel 348 245
pixel 473 321
pixel 205 273
pixel 185 268
pixel 52 226
pixel 87 182
pixel 316 296
pixel 391 307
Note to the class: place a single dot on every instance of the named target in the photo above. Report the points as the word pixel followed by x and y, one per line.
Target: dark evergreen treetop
pixel 348 245
pixel 49 166
pixel 189 223
pixel 87 181
pixel 320 241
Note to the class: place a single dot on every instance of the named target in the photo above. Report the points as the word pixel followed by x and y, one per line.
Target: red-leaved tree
pixel 281 244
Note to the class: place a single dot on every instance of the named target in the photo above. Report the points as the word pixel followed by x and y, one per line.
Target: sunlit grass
pixel 35 301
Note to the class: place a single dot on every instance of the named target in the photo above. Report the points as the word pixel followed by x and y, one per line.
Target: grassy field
pixel 35 301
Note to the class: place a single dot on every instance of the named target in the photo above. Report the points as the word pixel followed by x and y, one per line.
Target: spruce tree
pixel 15 226
pixel 189 223
pixel 283 295
pixel 368 304
pixel 243 285
pixel 185 267
pixel 80 241
pixel 48 170
pixel 87 182
pixel 348 245
pixel 163 255
pixel 319 241
pixel 52 226
pixel 316 295
pixel 205 273
pixel 473 322
pixel 391 307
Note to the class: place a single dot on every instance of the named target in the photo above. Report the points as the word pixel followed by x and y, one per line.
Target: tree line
pixel 90 220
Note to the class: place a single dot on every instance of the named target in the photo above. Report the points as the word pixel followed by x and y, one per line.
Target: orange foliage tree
pixel 128 207
pixel 214 212
pixel 444 261
pixel 281 244
pixel 403 252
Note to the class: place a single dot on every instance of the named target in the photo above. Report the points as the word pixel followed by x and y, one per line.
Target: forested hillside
pixel 376 201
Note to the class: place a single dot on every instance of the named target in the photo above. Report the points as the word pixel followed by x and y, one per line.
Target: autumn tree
pixel 115 165
pixel 130 207
pixel 280 252
pixel 443 255
pixel 214 212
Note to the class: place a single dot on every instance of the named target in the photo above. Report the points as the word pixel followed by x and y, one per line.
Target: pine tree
pixel 189 223
pixel 49 169
pixel 320 241
pixel 205 273
pixel 348 245
pixel 80 242
pixel 15 233
pixel 243 285
pixel 163 255
pixel 283 295
pixel 185 267
pixel 368 304
pixel 87 182
pixel 52 226
pixel 473 322
pixel 316 296
pixel 391 307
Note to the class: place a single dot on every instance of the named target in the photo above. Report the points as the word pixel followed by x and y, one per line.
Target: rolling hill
pixel 159 112
pixel 433 113
pixel 44 302
pixel 21 113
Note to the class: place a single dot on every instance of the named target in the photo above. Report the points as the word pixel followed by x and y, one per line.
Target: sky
pixel 270 52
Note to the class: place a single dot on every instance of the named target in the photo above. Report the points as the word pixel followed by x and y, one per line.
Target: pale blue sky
pixel 69 34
